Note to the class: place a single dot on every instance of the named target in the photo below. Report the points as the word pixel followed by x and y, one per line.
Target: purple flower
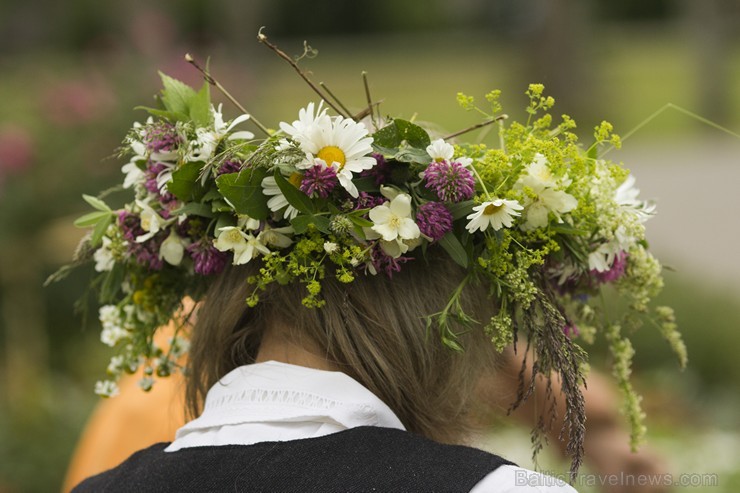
pixel 207 260
pixel 152 172
pixel 367 201
pixel 146 253
pixel 385 263
pixel 570 330
pixel 228 167
pixel 453 182
pixel 319 180
pixel 615 271
pixel 434 220
pixel 161 137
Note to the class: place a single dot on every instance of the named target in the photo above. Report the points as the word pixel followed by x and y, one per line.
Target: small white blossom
pixel 103 256
pixel 276 237
pixel 440 151
pixel 392 220
pixel 330 247
pixel 151 221
pixel 496 213
pixel 172 249
pixel 106 388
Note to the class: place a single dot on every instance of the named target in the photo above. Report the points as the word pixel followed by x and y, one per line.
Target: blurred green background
pixel 71 73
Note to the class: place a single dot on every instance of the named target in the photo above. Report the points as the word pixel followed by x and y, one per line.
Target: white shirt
pixel 275 401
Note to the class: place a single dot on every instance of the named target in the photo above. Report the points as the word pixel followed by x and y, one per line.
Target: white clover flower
pixel 277 201
pixel 440 151
pixel 103 256
pixel 173 249
pixel 106 388
pixel 392 220
pixel 330 247
pixel 496 213
pixel 602 258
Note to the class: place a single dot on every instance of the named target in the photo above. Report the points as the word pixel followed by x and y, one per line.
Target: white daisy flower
pixel 220 128
pixel 277 201
pixel 307 119
pixel 339 143
pixel 440 151
pixel 134 175
pixel 392 220
pixel 496 213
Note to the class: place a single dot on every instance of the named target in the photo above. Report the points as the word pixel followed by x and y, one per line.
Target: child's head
pixel 373 329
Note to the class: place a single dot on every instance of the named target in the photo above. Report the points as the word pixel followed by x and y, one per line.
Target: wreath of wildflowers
pixel 544 221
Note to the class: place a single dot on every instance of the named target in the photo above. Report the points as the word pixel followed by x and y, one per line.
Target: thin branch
pixel 365 112
pixel 208 78
pixel 477 126
pixel 336 99
pixel 369 99
pixel 262 38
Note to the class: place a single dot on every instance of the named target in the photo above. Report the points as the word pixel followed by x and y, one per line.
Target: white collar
pixel 277 400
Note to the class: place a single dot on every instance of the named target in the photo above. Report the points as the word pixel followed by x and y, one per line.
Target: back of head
pixel 374 329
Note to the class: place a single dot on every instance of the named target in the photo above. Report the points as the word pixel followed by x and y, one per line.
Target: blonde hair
pixel 373 329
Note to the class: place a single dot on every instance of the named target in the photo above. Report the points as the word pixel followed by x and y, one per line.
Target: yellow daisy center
pixel 295 179
pixel 492 209
pixel 332 154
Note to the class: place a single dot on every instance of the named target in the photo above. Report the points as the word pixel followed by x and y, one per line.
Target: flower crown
pixel 546 222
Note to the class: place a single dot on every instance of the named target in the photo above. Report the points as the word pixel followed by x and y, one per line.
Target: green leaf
pixel 366 184
pixel 176 96
pixel 295 197
pixel 413 134
pixel 413 155
pixel 455 249
pixel 360 221
pixel 593 152
pixel 100 228
pixel 185 184
pixel 200 106
pixel 388 136
pixel 167 115
pixel 111 284
pixel 224 221
pixel 395 133
pixel 300 223
pixel 461 209
pixel 90 219
pixel 194 209
pixel 96 203
pixel 322 223
pixel 243 191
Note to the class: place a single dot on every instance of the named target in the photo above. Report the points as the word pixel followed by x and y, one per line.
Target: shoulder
pixel 513 479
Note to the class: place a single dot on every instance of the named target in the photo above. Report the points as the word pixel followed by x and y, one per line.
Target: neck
pixel 278 345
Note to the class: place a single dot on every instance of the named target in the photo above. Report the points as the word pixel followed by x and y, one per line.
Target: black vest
pixel 360 459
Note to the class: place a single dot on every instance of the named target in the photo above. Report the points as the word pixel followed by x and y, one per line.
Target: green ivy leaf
pixel 413 155
pixel 300 223
pixel 243 191
pixel 295 197
pixel 185 184
pixel 194 209
pixel 455 249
